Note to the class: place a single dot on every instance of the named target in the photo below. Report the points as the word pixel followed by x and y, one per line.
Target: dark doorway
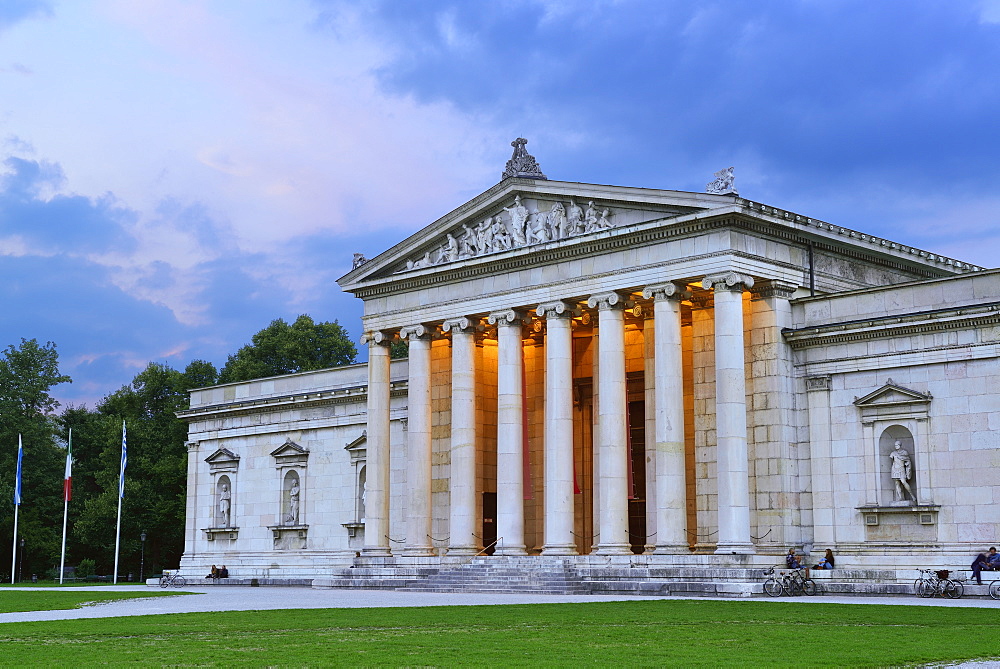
pixel 637 478
pixel 489 522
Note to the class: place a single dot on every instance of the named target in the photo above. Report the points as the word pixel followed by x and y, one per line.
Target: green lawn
pixel 640 633
pixel 66 598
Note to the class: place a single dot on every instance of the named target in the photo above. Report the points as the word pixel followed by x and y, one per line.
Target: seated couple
pixel 218 572
pixel 793 561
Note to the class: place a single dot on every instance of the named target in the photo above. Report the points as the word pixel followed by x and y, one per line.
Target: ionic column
pixel 463 437
pixel 510 433
pixel 558 429
pixel 418 443
pixel 612 437
pixel 377 445
pixel 671 491
pixel 731 413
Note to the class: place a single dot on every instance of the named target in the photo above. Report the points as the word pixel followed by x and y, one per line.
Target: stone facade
pixel 597 370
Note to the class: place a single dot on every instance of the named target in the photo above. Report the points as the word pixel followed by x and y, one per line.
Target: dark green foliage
pixel 399 349
pixel 281 348
pixel 27 374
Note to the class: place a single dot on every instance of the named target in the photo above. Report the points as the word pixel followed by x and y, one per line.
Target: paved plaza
pixel 222 598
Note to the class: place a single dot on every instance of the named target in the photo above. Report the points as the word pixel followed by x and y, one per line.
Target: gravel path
pixel 223 598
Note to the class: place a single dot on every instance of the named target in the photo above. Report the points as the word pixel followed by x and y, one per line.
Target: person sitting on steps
pixel 214 574
pixel 826 562
pixel 987 562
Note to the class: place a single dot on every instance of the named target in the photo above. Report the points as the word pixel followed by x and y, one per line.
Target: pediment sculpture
pixel 515 228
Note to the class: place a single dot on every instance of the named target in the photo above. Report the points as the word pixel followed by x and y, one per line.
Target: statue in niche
pixel 518 220
pixel 293 504
pixel 590 218
pixel 501 238
pixel 225 504
pixel 558 222
pixel 364 501
pixel 574 219
pixel 484 236
pixel 901 472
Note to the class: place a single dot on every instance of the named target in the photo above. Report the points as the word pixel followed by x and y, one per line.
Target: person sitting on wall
pixel 214 574
pixel 826 562
pixel 223 572
pixel 987 562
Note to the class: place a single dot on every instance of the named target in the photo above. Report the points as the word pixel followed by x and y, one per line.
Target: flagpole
pixel 121 494
pixel 62 560
pixel 17 508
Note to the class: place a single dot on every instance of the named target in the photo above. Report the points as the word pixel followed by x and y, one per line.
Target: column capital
pixel 414 332
pixel 731 281
pixel 557 309
pixel 506 317
pixel 376 338
pixel 665 291
pixel 773 288
pixel 461 324
pixel 607 301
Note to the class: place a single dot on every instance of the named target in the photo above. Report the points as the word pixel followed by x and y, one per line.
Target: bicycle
pixel 933 582
pixel 995 589
pixel 792 583
pixel 173 579
pixel 773 588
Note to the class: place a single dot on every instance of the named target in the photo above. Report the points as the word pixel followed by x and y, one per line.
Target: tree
pixel 27 374
pixel 281 348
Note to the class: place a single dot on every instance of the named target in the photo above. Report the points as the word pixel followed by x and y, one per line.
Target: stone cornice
pixel 304 400
pixel 920 322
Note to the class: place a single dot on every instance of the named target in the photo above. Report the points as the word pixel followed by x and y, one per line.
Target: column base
pixel 614 549
pixel 671 549
pixel 463 550
pixel 559 549
pixel 376 551
pixel 418 551
pixel 510 550
pixel 735 548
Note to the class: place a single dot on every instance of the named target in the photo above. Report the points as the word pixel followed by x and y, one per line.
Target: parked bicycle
pixel 937 582
pixel 172 579
pixel 792 583
pixel 995 589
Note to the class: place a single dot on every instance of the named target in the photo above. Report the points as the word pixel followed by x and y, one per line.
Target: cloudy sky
pixel 174 174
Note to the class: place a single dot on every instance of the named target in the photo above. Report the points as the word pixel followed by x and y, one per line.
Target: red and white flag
pixel 68 478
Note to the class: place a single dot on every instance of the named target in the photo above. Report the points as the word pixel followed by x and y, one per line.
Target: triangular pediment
pixel 223 456
pixel 520 216
pixel 360 442
pixel 289 449
pixel 892 394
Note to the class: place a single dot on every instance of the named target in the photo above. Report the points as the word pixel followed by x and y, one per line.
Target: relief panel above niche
pixel 527 222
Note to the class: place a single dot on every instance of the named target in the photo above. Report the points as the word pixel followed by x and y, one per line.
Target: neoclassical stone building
pixel 610 371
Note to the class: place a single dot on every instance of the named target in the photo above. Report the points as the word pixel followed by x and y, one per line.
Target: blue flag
pixel 121 477
pixel 17 482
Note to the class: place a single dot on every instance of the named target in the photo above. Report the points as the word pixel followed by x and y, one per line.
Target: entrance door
pixel 489 522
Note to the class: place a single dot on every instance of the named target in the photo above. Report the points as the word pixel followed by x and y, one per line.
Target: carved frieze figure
pixel 467 243
pixel 293 505
pixel 538 229
pixel 590 218
pixel 574 218
pixel 359 260
pixel 604 223
pixel 518 221
pixel 522 163
pixel 558 222
pixel 901 471
pixel 225 505
pixel 449 251
pixel 484 235
pixel 501 238
pixel 724 184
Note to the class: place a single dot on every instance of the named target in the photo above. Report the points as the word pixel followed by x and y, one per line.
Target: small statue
pixel 522 163
pixel 501 238
pixel 225 504
pixel 484 234
pixel 724 184
pixel 449 252
pixel 467 247
pixel 902 470
pixel 359 260
pixel 538 231
pixel 293 505
pixel 604 223
pixel 558 222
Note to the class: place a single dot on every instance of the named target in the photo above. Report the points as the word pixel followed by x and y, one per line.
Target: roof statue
pixel 724 184
pixel 522 163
